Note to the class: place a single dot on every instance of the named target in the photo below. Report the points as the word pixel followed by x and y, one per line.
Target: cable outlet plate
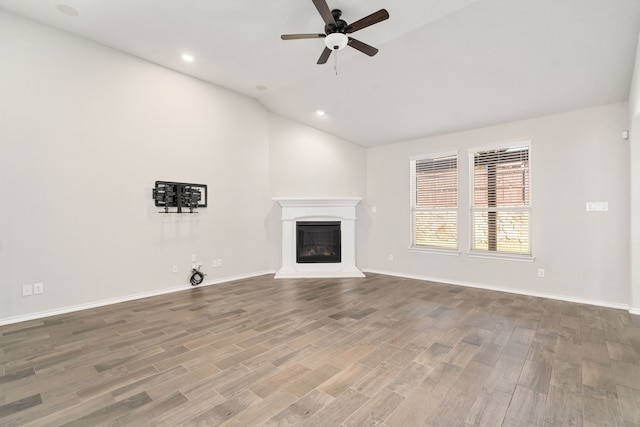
pixel 38 288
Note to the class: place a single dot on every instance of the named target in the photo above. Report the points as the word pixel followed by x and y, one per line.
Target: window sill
pixel 501 256
pixel 449 252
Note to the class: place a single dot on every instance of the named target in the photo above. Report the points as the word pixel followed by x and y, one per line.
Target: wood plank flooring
pixel 378 351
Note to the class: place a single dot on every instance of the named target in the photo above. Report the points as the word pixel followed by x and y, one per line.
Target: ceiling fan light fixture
pixel 336 41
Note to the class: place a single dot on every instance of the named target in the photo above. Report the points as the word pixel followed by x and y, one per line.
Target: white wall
pixel 84 133
pixel 306 162
pixel 576 157
pixel 634 116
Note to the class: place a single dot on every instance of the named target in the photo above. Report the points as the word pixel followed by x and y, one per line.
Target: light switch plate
pixel 597 206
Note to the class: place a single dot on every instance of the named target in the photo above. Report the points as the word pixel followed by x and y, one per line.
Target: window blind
pixel 501 203
pixel 434 202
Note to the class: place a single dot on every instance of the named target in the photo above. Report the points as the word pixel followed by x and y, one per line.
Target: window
pixel 434 202
pixel 501 200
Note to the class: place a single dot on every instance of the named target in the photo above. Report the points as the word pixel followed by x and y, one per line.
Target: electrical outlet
pixel 27 290
pixel 217 263
pixel 38 288
pixel 174 269
pixel 541 272
pixel 390 257
pixel 193 258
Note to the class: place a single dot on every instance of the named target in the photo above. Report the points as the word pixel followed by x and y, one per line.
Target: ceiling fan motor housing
pixel 339 27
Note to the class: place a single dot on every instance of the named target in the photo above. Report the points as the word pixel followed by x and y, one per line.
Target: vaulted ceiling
pixel 443 65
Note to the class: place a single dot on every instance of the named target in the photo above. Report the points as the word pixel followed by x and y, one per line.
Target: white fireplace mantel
pixel 319 209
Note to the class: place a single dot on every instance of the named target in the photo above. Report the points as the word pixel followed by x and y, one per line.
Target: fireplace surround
pixel 341 211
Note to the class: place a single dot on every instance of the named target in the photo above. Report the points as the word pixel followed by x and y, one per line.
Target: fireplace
pixel 318 237
pixel 317 241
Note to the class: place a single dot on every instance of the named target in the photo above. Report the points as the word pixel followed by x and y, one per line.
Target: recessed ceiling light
pixel 261 87
pixel 320 113
pixel 187 58
pixel 67 10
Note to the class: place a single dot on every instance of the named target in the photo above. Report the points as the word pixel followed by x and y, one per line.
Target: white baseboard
pixel 608 304
pixel 101 303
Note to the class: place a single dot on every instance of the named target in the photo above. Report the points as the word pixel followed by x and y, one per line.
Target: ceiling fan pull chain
pixel 335 62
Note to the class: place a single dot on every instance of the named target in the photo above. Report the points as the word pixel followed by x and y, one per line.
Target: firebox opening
pixel 318 242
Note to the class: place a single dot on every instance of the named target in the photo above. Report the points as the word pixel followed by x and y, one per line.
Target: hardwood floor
pixel 379 351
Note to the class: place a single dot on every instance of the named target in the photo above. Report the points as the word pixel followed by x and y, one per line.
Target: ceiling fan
pixel 336 30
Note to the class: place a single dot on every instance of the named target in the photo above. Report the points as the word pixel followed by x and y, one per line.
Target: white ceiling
pixel 443 65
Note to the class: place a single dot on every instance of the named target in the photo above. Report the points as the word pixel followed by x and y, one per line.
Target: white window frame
pixel 413 247
pixel 491 254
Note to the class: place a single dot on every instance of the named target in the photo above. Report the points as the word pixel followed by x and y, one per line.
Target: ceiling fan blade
pixel 325 12
pixel 374 18
pixel 362 47
pixel 324 57
pixel 302 36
